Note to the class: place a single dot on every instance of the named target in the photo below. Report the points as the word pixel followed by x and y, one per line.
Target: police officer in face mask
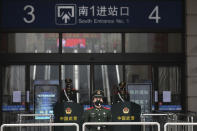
pixel 97 113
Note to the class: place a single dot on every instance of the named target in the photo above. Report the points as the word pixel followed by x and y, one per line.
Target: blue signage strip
pixel 168 107
pixel 13 108
pixel 93 14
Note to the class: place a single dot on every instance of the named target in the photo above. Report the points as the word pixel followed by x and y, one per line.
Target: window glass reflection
pixel 107 77
pixel 33 42
pixel 138 74
pixel 44 72
pixel 91 42
pixel 153 42
pixel 14 81
pixel 169 80
pixel 139 85
pixel 13 93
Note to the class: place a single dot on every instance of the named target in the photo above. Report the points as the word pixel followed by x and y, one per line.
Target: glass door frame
pixel 154 59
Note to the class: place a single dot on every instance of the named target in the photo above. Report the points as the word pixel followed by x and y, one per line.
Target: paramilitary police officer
pixel 69 92
pixel 120 93
pixel 97 113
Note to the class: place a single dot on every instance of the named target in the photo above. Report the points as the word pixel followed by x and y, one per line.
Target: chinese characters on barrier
pixel 128 118
pixel 68 118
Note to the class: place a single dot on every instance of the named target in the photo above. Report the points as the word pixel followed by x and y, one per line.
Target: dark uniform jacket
pixel 93 114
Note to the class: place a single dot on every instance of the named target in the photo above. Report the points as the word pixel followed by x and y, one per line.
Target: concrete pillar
pixel 191 49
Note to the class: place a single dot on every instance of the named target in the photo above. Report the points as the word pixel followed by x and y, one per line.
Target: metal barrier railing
pixel 161 118
pixel 179 124
pixel 34 115
pixel 189 117
pixel 40 124
pixel 121 123
pixel 25 115
pixel 157 114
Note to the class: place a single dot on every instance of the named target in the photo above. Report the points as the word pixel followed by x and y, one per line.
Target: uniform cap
pixel 98 93
pixel 68 80
pixel 122 83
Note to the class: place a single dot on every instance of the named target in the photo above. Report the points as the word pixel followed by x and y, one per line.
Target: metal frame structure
pixel 1 94
pixel 143 116
pixel 180 124
pixel 121 123
pixel 40 124
pixel 123 58
pixel 157 114
pixel 93 58
pixel 24 115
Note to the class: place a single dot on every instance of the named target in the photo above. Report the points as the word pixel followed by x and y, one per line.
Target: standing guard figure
pixel 69 92
pixel 67 110
pixel 120 93
pixel 97 113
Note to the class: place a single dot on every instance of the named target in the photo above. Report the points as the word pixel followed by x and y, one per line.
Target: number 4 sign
pixel 154 15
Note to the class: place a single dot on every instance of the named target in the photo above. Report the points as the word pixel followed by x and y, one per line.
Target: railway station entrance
pixel 98 46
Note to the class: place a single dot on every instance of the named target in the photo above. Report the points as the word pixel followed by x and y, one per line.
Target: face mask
pixel 98 103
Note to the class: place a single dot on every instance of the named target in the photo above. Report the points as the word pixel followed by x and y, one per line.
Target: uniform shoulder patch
pixel 106 108
pixel 89 108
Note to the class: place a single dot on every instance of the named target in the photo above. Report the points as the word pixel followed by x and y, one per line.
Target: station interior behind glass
pixel 93 61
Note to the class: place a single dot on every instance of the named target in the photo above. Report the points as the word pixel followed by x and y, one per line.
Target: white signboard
pixel 16 96
pixel 166 96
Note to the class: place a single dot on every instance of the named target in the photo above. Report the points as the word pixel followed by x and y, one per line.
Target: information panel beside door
pixel 45 97
pixel 141 94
